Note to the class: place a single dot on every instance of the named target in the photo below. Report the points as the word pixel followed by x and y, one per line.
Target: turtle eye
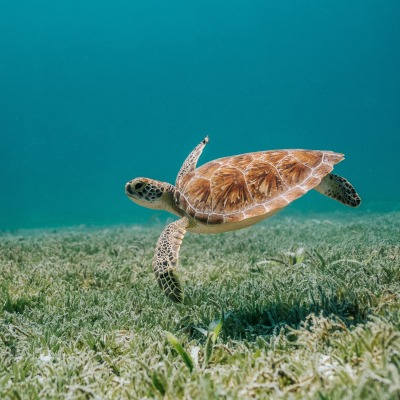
pixel 139 185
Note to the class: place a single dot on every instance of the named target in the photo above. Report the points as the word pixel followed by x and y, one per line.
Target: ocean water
pixel 95 93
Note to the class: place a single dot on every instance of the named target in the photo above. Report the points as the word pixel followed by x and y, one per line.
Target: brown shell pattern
pixel 234 188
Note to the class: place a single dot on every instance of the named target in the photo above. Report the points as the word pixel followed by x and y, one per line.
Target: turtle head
pixel 149 193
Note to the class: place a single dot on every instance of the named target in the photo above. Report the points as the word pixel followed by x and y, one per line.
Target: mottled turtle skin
pixel 233 193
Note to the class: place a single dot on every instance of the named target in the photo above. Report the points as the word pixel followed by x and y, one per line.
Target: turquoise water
pixel 95 93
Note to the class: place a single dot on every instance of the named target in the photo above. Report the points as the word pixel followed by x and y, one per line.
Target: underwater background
pixel 95 93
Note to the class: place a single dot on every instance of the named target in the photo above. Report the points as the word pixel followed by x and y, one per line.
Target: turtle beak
pixel 128 190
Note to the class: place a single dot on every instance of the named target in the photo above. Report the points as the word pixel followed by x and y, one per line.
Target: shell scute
pixel 295 193
pixel 309 158
pixel 311 182
pixel 242 162
pixel 264 181
pixel 332 158
pixel 199 192
pixel 292 171
pixel 202 217
pixel 276 203
pixel 208 169
pixel 273 157
pixel 322 170
pixel 215 219
pixel 231 218
pixel 185 179
pixel 255 211
pixel 229 191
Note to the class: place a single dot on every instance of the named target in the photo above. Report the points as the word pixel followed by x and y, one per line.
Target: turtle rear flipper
pixel 340 189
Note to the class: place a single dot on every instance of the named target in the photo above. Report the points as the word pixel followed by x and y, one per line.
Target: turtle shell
pixel 235 188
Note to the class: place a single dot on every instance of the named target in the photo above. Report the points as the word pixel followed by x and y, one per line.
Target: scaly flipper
pixel 191 160
pixel 340 189
pixel 166 256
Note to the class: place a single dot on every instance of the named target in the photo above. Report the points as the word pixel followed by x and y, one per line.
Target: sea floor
pixel 299 308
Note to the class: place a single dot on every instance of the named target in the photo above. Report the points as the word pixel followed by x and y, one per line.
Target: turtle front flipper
pixel 166 257
pixel 191 160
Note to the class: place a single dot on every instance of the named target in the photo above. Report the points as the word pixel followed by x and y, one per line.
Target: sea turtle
pixel 233 193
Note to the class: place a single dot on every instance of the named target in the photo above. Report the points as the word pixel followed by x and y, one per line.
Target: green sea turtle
pixel 233 193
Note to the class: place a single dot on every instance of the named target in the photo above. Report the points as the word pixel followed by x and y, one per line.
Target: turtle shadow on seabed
pixel 249 323
pixel 274 317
